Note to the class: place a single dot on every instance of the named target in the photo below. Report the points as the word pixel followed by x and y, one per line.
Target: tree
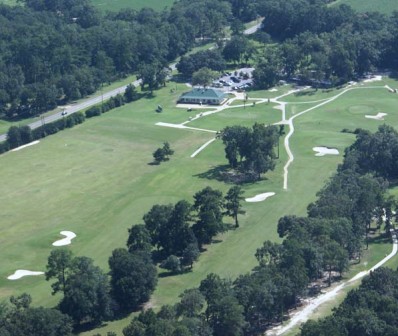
pixel 21 319
pixel 156 219
pixel 58 266
pixel 86 296
pixel 172 264
pixel 203 77
pixel 175 234
pixel 159 155
pixel 130 94
pixel 14 137
pixel 133 277
pixel 190 254
pixel 266 73
pixel 135 328
pixel 191 304
pixel 163 153
pixel 335 258
pixel 26 134
pixel 208 204
pixel 233 204
pixel 167 149
pixel 139 239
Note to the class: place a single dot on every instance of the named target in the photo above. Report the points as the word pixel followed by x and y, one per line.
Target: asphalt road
pixel 96 100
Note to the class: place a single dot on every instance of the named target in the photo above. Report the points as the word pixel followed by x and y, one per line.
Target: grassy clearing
pixel 117 5
pixel 383 6
pixel 95 180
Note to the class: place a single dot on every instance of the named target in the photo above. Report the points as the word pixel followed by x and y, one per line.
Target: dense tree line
pixel 56 51
pixel 369 310
pixel 20 318
pixel 324 45
pixel 20 135
pixel 89 295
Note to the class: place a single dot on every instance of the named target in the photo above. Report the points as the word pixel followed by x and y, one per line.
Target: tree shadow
pixel 305 93
pixel 383 238
pixel 179 78
pixel 224 173
pixel 393 74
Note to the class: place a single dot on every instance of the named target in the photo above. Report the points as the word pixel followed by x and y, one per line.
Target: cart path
pixel 303 315
pixel 291 125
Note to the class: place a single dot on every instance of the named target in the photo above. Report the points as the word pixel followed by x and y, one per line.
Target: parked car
pixel 235 80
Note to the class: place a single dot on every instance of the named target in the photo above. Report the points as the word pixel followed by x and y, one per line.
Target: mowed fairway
pixel 383 6
pixel 96 181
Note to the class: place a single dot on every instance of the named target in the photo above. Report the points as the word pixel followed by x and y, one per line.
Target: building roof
pixel 200 93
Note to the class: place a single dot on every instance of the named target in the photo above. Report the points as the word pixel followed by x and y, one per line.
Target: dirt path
pixel 304 314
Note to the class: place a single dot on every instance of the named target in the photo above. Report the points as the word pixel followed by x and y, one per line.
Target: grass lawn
pixel 384 6
pixel 96 181
pixel 116 5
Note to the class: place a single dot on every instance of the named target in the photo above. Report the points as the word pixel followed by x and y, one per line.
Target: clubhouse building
pixel 201 96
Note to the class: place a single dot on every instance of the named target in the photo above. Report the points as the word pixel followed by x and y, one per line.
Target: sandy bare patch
pixel 69 235
pixel 21 273
pixel 27 145
pixel 378 116
pixel 373 79
pixel 260 197
pixel 322 151
pixel 273 90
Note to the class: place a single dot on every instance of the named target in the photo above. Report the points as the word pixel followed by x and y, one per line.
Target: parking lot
pixel 238 80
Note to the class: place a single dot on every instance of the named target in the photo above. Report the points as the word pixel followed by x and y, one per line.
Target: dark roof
pixel 200 93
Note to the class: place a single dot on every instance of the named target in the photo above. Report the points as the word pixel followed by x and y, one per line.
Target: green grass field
pixel 383 6
pixel 116 5
pixel 96 181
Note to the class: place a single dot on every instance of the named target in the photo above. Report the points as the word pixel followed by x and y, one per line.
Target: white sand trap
pixel 273 90
pixel 27 145
pixel 322 151
pixel 378 116
pixel 373 79
pixel 18 274
pixel 260 197
pixel 69 235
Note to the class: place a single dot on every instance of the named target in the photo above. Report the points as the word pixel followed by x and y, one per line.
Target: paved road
pixel 96 100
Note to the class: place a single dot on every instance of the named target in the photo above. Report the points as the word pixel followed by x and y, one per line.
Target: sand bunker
pixel 27 145
pixel 373 79
pixel 273 90
pixel 21 273
pixel 378 116
pixel 322 151
pixel 260 197
pixel 69 235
